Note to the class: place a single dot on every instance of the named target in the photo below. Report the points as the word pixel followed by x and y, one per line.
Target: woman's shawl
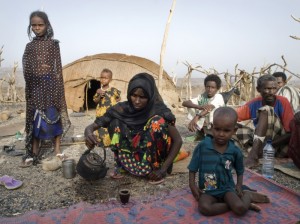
pixel 133 119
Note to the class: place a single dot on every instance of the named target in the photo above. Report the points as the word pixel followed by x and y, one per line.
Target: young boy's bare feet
pixel 257 197
pixel 254 207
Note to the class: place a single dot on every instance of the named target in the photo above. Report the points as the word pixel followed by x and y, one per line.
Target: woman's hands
pixel 90 138
pixel 176 140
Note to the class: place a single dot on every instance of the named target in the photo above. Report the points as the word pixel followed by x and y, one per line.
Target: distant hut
pixel 81 78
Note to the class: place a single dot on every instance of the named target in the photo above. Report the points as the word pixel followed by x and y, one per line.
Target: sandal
pixel 61 156
pixel 11 151
pixel 156 182
pixel 116 175
pixel 27 163
pixel 10 183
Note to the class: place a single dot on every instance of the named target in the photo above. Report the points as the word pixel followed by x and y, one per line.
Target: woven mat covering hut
pixel 81 78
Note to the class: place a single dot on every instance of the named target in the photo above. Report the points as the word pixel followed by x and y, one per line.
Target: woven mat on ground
pixel 288 167
pixel 176 207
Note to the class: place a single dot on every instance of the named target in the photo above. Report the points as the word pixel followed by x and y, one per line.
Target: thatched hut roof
pixel 85 72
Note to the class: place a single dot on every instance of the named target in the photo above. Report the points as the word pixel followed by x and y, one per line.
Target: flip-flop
pixel 17 153
pixel 10 183
pixel 116 175
pixel 156 182
pixel 27 163
pixel 61 156
pixel 8 148
pixel 11 151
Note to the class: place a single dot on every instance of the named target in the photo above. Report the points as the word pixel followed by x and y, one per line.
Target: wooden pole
pixel 1 51
pixel 86 97
pixel 163 47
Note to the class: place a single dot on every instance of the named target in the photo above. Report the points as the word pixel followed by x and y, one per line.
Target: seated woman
pixel 144 138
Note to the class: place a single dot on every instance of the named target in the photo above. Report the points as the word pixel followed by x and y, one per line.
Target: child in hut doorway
pixel 201 108
pixel 105 97
pixel 217 192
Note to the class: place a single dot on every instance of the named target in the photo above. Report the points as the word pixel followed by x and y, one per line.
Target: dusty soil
pixel 44 190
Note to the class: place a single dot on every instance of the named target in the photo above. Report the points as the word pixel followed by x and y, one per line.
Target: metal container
pixel 91 166
pixel 68 168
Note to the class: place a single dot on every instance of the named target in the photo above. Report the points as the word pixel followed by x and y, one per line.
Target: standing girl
pixel 46 110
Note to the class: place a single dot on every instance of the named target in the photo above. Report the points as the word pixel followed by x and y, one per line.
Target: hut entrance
pixel 89 91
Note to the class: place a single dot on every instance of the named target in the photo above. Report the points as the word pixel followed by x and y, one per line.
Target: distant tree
pixel 297 20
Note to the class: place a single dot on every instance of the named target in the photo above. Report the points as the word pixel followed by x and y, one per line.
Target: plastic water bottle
pixel 268 160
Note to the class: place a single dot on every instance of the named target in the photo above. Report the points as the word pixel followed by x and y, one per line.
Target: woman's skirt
pixel 144 151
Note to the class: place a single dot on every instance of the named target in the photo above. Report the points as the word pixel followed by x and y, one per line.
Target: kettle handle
pixel 104 153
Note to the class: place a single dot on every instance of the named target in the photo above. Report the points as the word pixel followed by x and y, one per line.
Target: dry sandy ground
pixel 43 190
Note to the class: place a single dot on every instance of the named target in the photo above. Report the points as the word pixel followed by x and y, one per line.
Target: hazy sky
pixel 214 33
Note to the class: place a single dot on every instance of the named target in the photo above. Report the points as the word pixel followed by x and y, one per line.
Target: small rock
pixel 5 115
pixel 20 111
pixel 23 115
pixel 180 109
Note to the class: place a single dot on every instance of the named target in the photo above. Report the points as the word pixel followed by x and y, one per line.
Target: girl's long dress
pixel 46 110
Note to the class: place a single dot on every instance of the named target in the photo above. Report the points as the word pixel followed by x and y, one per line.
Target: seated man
pixel 201 109
pixel 293 96
pixel 290 92
pixel 294 144
pixel 271 116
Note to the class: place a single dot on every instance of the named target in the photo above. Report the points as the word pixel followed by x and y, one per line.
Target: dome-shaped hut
pixel 81 78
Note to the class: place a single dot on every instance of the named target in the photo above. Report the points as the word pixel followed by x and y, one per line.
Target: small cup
pixel 124 196
pixel 68 168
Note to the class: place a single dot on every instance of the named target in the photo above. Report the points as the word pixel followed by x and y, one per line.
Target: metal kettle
pixel 91 166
